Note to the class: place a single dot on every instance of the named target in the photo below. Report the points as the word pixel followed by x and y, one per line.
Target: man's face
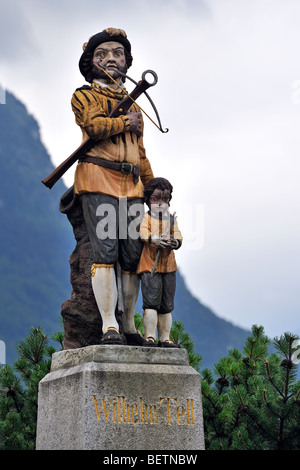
pixel 159 201
pixel 111 55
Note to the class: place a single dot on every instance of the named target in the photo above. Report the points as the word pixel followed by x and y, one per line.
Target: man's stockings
pixel 106 295
pixel 131 287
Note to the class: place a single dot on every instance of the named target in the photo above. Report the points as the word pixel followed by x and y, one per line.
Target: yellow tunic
pixel 114 142
pixel 152 226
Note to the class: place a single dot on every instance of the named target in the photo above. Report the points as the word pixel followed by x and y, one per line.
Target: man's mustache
pixel 99 73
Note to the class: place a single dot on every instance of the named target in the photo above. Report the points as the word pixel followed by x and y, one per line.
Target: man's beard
pixel 99 74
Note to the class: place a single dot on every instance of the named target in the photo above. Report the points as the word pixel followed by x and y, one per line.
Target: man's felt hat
pixel 109 34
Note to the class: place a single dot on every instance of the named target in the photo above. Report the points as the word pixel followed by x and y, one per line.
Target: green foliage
pixel 19 391
pixel 138 321
pixel 179 336
pixel 252 400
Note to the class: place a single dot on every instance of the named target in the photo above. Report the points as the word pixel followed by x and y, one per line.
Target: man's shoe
pixel 112 336
pixel 167 344
pixel 135 339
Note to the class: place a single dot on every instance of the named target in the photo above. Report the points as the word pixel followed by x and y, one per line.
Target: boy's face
pixel 159 201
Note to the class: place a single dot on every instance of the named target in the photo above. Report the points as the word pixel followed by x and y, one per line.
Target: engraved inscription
pixel 120 410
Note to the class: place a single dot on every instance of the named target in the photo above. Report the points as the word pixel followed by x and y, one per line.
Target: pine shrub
pixel 251 401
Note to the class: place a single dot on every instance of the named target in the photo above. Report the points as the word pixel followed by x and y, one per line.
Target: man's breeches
pixel 113 229
pixel 158 291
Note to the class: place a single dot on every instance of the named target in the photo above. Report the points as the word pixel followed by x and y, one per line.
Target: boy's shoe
pixel 150 342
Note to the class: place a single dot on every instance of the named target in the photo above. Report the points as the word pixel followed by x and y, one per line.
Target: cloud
pixel 16 38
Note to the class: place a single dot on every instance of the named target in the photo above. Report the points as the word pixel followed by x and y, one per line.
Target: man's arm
pixel 93 119
pixel 146 172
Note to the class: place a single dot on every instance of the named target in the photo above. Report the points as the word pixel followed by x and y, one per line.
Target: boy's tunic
pixel 152 227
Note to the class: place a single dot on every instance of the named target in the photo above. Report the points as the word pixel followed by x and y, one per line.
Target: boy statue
pixel 157 267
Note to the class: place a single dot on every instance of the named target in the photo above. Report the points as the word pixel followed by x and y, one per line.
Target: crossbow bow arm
pixel 155 77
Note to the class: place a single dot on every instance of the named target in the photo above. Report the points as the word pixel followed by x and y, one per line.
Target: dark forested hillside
pixel 36 241
pixel 35 238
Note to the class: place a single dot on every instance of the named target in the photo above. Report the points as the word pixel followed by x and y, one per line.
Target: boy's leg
pixel 150 325
pixel 165 311
pixel 151 291
pixel 164 326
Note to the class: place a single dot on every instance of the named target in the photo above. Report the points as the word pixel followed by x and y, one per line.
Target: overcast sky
pixel 229 92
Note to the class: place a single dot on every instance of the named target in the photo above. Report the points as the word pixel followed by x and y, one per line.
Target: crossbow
pixel 120 109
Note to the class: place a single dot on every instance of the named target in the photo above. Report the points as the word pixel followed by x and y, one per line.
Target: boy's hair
pixel 156 183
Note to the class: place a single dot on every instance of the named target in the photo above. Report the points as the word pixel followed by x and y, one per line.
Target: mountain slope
pixel 35 237
pixel 36 241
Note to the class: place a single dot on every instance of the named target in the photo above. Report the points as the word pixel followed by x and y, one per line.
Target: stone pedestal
pixel 120 398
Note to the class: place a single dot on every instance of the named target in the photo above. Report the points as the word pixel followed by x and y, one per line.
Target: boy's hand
pixel 173 243
pixel 160 242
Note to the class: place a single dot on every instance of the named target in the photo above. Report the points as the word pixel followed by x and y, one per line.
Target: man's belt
pixel 124 167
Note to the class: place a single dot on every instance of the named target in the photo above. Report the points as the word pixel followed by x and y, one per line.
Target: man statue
pixel 110 176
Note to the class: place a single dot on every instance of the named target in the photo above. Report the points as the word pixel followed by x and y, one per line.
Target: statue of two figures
pixel 122 245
